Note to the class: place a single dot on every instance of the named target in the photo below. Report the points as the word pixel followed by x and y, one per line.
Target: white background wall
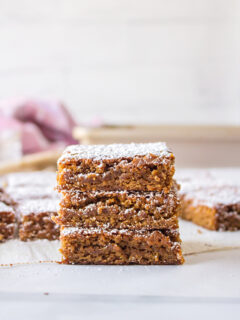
pixel 142 61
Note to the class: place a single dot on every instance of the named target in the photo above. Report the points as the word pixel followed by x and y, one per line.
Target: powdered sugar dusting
pixel 215 195
pixel 129 194
pixel 18 193
pixel 38 178
pixel 5 208
pixel 38 206
pixel 210 187
pixel 72 230
pixel 114 151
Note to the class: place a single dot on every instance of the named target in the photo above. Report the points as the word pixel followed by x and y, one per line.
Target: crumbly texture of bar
pixel 129 167
pixel 215 207
pixel 7 222
pixel 35 219
pixel 120 247
pixel 119 209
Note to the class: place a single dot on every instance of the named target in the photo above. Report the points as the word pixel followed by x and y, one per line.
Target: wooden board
pixel 194 146
pixel 37 161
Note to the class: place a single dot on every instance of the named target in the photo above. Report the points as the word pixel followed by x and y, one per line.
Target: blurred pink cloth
pixel 42 124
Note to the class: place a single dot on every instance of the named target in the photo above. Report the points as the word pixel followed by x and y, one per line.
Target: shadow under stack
pixel 119 205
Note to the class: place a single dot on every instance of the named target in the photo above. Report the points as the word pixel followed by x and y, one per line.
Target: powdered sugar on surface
pixel 215 195
pixel 145 194
pixel 211 187
pixel 5 208
pixel 18 193
pixel 37 178
pixel 38 206
pixel 72 230
pixel 114 151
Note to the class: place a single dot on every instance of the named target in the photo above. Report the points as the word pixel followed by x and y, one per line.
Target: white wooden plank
pixel 112 10
pixel 44 46
pixel 114 57
pixel 59 46
pixel 134 94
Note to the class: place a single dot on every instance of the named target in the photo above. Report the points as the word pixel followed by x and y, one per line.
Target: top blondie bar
pixel 129 167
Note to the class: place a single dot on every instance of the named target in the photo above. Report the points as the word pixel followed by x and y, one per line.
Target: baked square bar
pixel 211 197
pixel 7 222
pixel 35 219
pixel 215 207
pixel 119 209
pixel 119 247
pixel 129 167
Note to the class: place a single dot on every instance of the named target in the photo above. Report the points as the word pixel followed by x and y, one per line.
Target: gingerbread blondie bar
pixel 35 220
pixel 211 197
pixel 7 222
pixel 215 207
pixel 119 247
pixel 130 167
pixel 119 209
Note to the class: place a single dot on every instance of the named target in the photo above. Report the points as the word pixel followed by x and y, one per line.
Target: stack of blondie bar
pixel 119 205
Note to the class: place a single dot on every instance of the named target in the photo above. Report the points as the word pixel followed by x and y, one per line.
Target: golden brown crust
pixel 211 198
pixel 223 214
pixel 221 217
pixel 202 215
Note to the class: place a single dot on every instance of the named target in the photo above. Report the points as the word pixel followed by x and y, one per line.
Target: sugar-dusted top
pixel 33 178
pixel 25 192
pixel 5 208
pixel 130 194
pixel 38 206
pixel 197 176
pixel 214 195
pixel 114 151
pixel 85 231
pixel 211 187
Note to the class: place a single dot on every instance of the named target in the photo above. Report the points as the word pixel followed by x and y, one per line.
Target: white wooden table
pixel 206 287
